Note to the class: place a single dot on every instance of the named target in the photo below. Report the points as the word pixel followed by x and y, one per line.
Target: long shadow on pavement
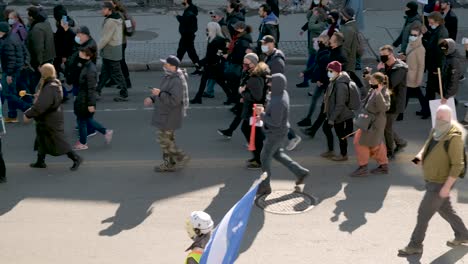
pixel 452 256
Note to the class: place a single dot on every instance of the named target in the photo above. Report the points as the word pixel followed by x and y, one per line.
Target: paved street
pixel 115 209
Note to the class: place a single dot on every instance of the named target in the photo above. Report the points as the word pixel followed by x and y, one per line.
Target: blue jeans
pixel 10 94
pixel 84 123
pixel 210 87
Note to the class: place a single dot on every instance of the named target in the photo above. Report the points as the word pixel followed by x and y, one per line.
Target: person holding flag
pixel 199 226
pixel 276 126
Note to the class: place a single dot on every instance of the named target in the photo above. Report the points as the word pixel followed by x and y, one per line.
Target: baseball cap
pixel 268 39
pixel 171 60
pixel 216 13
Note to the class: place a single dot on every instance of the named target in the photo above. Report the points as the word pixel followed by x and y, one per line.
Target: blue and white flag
pixel 224 244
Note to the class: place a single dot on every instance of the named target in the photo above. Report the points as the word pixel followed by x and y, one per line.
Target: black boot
pixel 77 160
pixel 3 179
pixel 196 100
pixel 40 163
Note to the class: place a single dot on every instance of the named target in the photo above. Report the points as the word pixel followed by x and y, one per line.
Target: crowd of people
pixel 51 67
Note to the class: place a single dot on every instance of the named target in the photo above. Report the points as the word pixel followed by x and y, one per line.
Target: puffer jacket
pixel 255 92
pixel 453 70
pixel 40 41
pixel 13 54
pixel 269 26
pixel 336 98
pixel 415 58
pixel 73 65
pixel 276 113
pixel 87 90
pixel 397 77
pixel 110 44
pixel 188 22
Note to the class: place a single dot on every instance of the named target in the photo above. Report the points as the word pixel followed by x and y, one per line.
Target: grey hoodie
pixel 276 114
pixel 453 69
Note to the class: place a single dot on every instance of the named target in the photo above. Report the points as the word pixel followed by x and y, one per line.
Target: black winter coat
pixel 451 23
pixel 232 19
pixel 337 54
pixel 431 43
pixel 87 90
pixel 397 78
pixel 48 114
pixel 188 22
pixel 243 43
pixel 64 42
pixel 318 72
pixel 255 92
pixel 13 54
pixel 73 66
pixel 213 61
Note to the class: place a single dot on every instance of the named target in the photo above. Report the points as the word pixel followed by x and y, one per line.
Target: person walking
pixel 415 59
pixel 85 102
pixel 219 17
pixel 17 26
pixel 233 15
pixel 48 116
pixel 450 18
pixel 40 42
pixel 276 61
pixel 128 31
pixel 434 56
pixel 253 93
pixel 276 125
pixel 412 20
pixel 338 114
pixel 13 57
pixel 396 70
pixel 369 141
pixel 453 69
pixel 213 63
pixel 268 27
pixel 110 47
pixel 442 159
pixel 351 45
pixel 170 106
pixel 188 26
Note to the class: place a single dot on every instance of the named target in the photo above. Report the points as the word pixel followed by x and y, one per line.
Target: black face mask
pixel 410 13
pixel 321 45
pixel 384 58
pixel 184 4
pixel 374 86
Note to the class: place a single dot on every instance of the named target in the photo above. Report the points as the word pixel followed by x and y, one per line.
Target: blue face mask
pixel 77 40
pixel 11 21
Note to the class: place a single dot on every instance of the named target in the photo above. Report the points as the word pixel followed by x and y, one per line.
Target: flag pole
pixel 440 83
pixel 259 180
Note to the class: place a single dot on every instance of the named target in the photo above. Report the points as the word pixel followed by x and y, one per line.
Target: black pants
pixel 417 93
pixel 237 119
pixel 259 137
pixel 391 137
pixel 187 45
pixel 124 67
pixel 432 86
pixel 341 129
pixel 2 163
pixel 112 70
pixel 217 76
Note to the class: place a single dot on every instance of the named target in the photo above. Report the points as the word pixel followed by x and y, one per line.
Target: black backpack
pixel 446 146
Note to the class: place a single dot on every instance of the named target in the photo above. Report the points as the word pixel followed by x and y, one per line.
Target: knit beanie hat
pixel 4 27
pixel 334 66
pixel 252 57
pixel 348 12
pixel 413 6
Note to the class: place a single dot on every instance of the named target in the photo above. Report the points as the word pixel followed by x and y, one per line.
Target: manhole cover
pixel 286 202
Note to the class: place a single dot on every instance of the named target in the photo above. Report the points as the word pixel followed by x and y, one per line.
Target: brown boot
pixel 408 251
pixel 328 154
pixel 382 169
pixel 340 158
pixel 360 172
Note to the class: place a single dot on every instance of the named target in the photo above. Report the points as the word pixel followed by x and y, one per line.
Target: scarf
pixel 441 129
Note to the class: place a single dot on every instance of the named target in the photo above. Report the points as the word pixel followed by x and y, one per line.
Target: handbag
pixel 364 120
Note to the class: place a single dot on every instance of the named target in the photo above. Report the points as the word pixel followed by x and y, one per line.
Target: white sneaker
pixel 108 136
pixel 79 146
pixel 293 143
pixel 92 134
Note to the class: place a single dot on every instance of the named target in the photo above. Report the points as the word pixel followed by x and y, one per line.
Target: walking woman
pixel 48 116
pixel 370 143
pixel 213 62
pixel 85 102
pixel 122 10
pixel 17 25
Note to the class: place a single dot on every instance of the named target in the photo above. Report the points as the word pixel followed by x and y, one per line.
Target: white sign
pixel 425 2
pixel 434 104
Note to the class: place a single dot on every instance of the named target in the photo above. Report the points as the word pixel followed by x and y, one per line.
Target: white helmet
pixel 201 221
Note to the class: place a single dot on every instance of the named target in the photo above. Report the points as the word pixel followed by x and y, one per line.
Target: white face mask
pixel 265 49
pixel 316 2
pixel 316 45
pixel 413 38
pixel 331 75
pixel 77 40
pixel 433 26
pixel 11 21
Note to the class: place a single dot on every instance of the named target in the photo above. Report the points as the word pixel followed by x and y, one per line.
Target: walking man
pixel 442 160
pixel 110 47
pixel 170 106
pixel 276 125
pixel 188 26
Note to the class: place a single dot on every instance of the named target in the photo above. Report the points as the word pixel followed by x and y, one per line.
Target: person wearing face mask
pixel 415 54
pixel 198 226
pixel 85 101
pixel 338 114
pixel 412 20
pixel 13 57
pixel 369 143
pixel 453 69
pixel 213 62
pixel 434 56
pixel 253 92
pixel 188 26
pixel 170 103
pixel 443 161
pixel 397 71
pixel 276 125
pixel 268 26
pixel 17 25
pixel 450 18
pixel 350 32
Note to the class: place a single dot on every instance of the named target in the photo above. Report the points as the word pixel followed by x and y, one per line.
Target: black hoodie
pixel 188 23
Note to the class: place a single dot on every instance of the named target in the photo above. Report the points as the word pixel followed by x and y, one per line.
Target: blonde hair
pixel 214 30
pixel 47 73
